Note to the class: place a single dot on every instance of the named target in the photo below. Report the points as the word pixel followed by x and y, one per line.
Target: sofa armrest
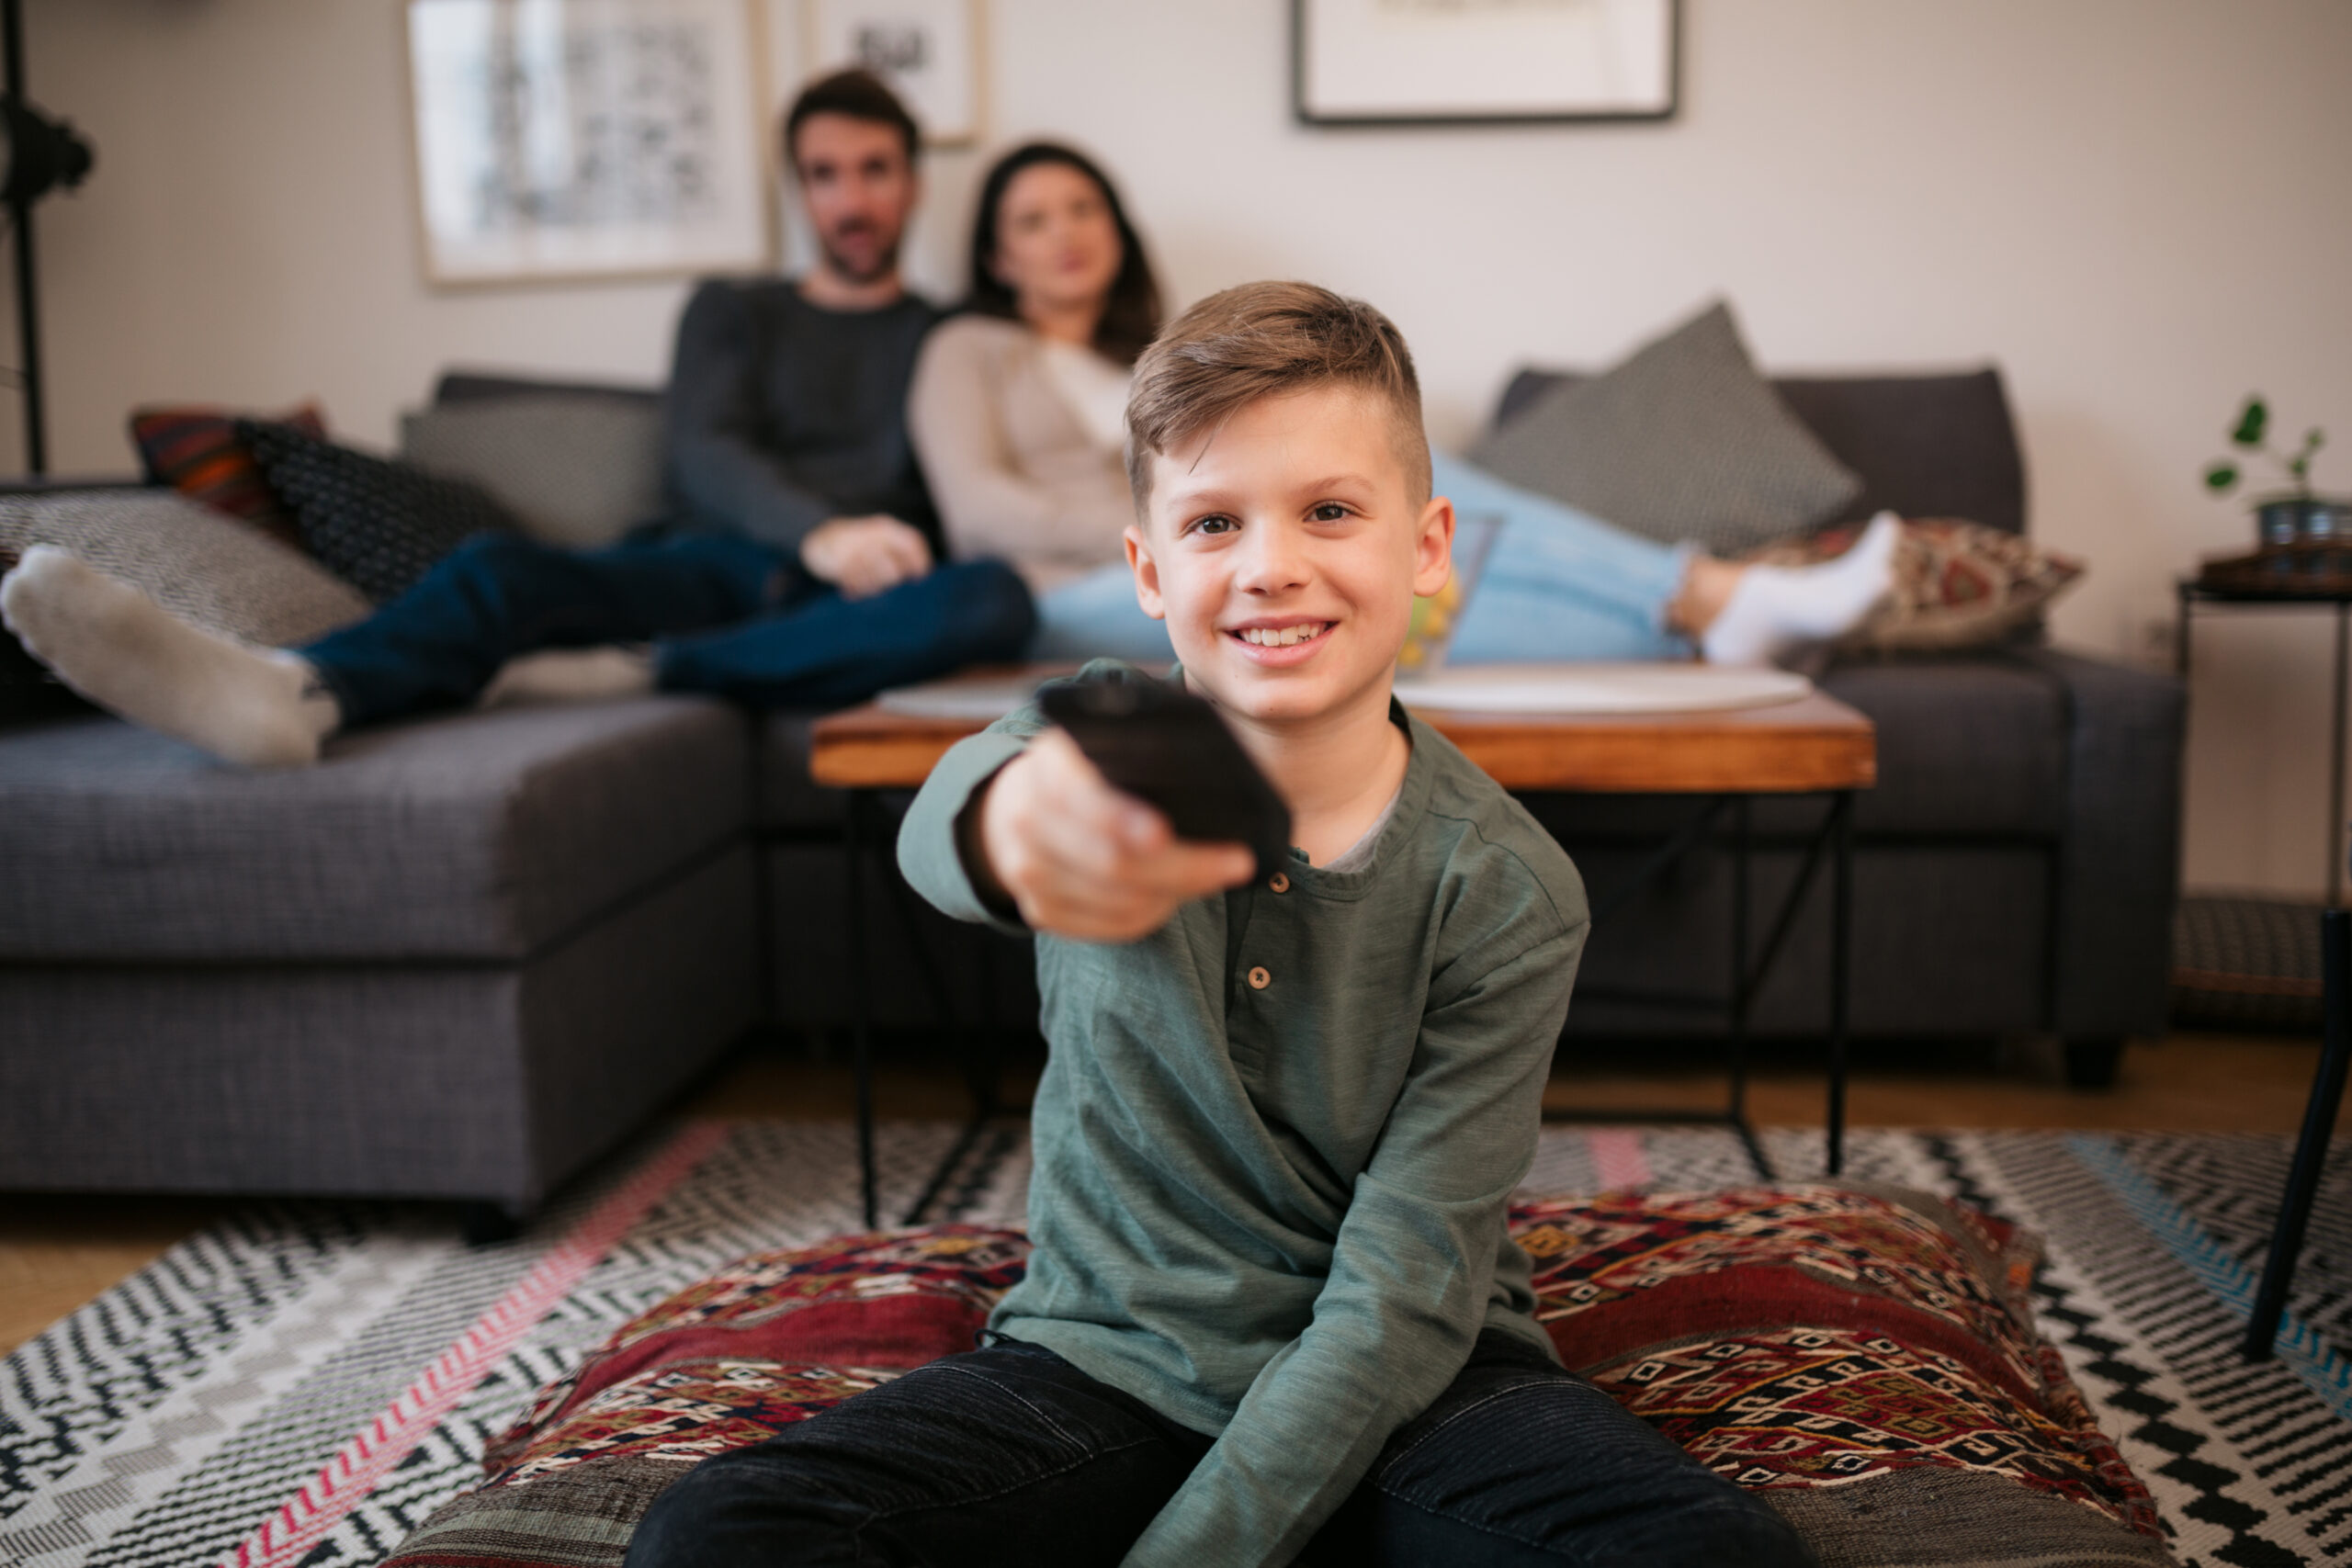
pixel 2119 860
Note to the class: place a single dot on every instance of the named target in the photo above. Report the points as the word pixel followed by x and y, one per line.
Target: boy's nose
pixel 1271 562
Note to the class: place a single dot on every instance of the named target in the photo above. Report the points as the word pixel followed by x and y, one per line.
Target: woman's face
pixel 1057 246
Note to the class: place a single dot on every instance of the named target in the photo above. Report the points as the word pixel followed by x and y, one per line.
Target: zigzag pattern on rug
pixel 168 1422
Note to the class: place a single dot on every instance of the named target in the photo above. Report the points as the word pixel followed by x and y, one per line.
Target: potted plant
pixel 2289 517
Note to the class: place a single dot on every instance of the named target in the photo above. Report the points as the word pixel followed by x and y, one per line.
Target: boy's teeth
pixel 1270 636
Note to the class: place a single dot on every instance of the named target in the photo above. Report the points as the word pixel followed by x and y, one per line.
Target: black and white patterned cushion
pixel 376 524
pixel 1683 442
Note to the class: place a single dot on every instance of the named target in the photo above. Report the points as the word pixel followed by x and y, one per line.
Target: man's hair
pixel 1263 340
pixel 860 95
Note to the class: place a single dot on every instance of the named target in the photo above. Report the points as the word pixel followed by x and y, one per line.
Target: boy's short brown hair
pixel 1263 340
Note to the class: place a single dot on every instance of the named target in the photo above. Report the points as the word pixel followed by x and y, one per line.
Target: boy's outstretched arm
pixel 1410 1275
pixel 1016 821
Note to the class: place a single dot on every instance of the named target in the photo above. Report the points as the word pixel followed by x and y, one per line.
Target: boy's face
pixel 1283 550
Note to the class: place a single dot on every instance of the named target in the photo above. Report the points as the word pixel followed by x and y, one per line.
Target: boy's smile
pixel 1283 548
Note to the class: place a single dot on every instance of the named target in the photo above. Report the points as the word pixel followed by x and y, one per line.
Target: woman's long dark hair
pixel 1130 318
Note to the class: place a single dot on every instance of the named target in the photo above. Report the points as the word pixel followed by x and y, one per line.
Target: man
pixel 799 568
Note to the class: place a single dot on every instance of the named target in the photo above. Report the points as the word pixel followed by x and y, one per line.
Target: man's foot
pixel 1775 611
pixel 572 676
pixel 260 707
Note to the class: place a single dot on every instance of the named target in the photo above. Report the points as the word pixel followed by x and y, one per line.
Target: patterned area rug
pixel 306 1383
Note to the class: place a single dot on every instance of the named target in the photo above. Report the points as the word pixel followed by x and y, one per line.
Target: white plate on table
pixel 1550 689
pixel 1571 689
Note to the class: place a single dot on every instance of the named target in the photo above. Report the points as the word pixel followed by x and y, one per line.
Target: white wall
pixel 2135 207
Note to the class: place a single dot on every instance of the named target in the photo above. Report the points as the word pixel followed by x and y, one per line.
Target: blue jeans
pixel 1010 1455
pixel 1096 616
pixel 1559 584
pixel 724 614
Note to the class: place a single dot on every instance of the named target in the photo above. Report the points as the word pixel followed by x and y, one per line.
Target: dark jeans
pixel 1010 1455
pixel 724 614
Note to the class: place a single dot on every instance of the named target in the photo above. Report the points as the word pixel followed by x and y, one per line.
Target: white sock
pixel 261 708
pixel 572 676
pixel 1775 611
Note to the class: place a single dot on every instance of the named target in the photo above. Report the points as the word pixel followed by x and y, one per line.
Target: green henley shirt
pixel 1275 1141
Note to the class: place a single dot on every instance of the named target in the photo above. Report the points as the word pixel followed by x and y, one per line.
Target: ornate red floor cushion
pixel 1864 1355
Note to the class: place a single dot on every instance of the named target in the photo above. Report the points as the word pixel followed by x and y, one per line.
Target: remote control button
pixel 1280 884
pixel 1260 979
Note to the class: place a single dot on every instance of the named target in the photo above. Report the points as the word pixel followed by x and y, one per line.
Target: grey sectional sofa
pixel 466 954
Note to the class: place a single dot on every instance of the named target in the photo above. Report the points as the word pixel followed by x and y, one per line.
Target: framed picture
pixel 574 138
pixel 1473 61
pixel 929 51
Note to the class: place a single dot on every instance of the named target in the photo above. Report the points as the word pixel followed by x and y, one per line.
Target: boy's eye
pixel 1215 523
pixel 1329 512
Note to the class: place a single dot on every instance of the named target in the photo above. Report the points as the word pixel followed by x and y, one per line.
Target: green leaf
pixel 2221 476
pixel 2252 420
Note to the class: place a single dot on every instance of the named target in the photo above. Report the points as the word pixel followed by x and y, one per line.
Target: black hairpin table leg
pixel 2311 1149
pixel 861 1005
pixel 1842 944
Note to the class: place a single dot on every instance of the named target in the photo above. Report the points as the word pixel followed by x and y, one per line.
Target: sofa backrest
pixel 1925 445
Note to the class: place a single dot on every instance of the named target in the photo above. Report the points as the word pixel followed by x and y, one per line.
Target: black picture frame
pixel 1305 115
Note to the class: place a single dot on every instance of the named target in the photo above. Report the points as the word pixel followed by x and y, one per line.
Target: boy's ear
pixel 1147 572
pixel 1434 548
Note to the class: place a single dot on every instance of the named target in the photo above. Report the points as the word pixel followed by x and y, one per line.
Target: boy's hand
pixel 1083 861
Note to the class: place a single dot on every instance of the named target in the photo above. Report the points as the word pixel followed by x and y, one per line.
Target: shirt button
pixel 1280 884
pixel 1260 979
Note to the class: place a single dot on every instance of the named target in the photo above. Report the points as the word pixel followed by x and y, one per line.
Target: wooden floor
pixel 58 1252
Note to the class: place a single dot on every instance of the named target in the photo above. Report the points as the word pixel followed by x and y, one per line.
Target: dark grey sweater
pixel 781 413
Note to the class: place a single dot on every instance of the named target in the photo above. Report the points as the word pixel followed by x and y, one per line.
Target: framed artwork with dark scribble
pixel 929 51
pixel 1484 62
pixel 578 139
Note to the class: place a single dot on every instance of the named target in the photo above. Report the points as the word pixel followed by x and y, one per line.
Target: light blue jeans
pixel 1096 616
pixel 1559 585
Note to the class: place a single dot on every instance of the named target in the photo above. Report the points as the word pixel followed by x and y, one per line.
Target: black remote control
pixel 1171 750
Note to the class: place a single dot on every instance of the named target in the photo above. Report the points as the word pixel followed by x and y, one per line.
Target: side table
pixel 2242 590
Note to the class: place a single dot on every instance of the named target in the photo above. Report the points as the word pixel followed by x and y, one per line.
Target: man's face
pixel 859 190
pixel 1284 549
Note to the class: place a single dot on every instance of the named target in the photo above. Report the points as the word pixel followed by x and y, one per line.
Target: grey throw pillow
pixel 224 575
pixel 576 471
pixel 1683 442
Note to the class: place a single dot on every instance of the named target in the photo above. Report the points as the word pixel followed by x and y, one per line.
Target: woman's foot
pixel 260 707
pixel 572 676
pixel 1772 612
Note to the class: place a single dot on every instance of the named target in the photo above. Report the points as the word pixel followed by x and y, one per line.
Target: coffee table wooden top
pixel 1813 744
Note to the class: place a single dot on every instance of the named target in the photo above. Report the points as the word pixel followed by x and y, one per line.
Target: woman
pixel 1017 412
pixel 1018 408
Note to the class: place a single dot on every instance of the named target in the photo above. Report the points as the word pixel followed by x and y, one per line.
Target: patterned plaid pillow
pixel 1956 585
pixel 197 452
pixel 1864 1355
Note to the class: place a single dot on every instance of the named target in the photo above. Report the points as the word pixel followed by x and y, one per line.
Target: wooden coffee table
pixel 1721 761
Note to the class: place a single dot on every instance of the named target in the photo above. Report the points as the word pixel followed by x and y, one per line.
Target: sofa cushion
pixel 198 452
pixel 376 524
pixel 1925 445
pixel 211 570
pixel 1967 747
pixel 1683 441
pixel 1956 585
pixel 473 836
pixel 575 470
pixel 788 798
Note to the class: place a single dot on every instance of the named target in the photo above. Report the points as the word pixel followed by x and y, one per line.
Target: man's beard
pixel 884 262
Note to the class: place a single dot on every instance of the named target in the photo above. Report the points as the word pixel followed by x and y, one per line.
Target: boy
pixel 1273 1311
